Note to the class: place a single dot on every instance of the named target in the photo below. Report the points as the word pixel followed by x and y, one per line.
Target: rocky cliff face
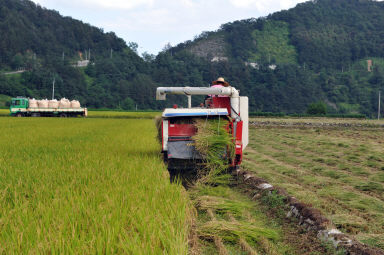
pixel 210 48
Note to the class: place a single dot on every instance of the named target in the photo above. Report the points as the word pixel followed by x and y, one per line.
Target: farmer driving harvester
pixel 219 83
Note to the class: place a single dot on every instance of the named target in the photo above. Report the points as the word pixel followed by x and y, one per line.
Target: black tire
pixel 19 114
pixel 63 115
pixel 165 157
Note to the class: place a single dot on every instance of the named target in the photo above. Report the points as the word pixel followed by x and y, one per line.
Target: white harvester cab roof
pixel 194 112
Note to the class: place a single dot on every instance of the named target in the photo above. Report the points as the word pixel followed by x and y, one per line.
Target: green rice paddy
pixel 87 186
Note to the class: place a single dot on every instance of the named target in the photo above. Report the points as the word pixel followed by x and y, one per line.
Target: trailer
pixel 21 107
pixel 177 127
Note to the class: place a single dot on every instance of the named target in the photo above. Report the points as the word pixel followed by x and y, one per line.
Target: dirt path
pixel 14 72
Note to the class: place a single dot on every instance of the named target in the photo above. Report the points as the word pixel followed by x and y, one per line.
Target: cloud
pixel 139 20
pixel 150 23
pixel 120 4
pixel 265 6
pixel 98 4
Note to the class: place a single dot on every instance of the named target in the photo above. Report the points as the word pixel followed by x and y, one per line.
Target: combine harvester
pixel 26 107
pixel 178 126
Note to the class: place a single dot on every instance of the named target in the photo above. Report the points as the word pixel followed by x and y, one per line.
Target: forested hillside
pixel 47 46
pixel 317 51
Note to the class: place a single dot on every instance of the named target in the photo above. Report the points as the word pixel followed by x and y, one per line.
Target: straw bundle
pixel 216 146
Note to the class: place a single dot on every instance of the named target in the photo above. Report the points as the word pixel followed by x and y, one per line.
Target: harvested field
pixel 228 221
pixel 87 186
pixel 319 121
pixel 339 171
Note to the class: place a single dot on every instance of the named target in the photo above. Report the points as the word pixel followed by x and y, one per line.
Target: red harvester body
pixel 177 126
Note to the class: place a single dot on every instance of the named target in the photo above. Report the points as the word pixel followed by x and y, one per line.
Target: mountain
pixel 48 46
pixel 318 51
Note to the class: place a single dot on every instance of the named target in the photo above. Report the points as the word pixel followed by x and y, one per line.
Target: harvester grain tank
pixel 177 125
pixel 26 107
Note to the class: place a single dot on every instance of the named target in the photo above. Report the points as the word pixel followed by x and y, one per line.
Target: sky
pixel 154 23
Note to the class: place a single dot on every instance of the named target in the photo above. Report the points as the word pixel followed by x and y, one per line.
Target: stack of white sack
pixel 42 103
pixel 64 103
pixel 53 103
pixel 75 104
pixel 33 103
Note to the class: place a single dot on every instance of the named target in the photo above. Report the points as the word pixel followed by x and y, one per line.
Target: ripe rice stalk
pixel 222 205
pixel 242 242
pixel 158 121
pixel 233 231
pixel 246 247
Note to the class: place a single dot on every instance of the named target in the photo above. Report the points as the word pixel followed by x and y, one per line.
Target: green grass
pixel 123 115
pixel 87 186
pixel 339 171
pixel 273 44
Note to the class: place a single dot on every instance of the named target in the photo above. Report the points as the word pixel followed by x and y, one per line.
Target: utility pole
pixel 111 53
pixel 378 110
pixel 89 54
pixel 63 55
pixel 53 88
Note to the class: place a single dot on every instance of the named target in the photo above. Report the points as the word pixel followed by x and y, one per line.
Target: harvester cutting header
pixel 178 125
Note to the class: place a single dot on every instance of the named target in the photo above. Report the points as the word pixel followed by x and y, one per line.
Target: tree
pixel 318 108
pixel 148 57
pixel 128 104
pixel 17 61
pixel 133 46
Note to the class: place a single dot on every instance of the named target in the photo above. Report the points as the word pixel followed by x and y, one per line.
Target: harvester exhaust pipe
pixel 233 93
pixel 161 92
